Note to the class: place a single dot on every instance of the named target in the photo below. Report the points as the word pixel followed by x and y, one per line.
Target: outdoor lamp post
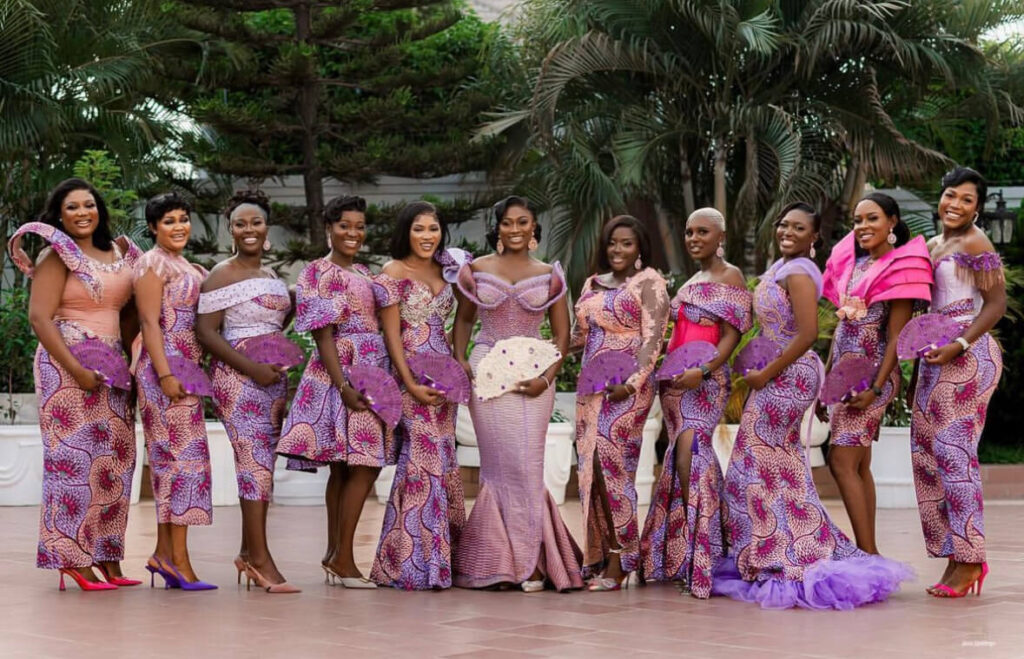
pixel 998 223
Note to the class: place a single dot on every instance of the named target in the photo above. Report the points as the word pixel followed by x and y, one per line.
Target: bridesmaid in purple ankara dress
pixel 330 423
pixel 81 285
pixel 873 276
pixel 166 293
pixel 514 534
pixel 624 309
pixel 426 511
pixel 784 551
pixel 682 539
pixel 954 385
pixel 241 301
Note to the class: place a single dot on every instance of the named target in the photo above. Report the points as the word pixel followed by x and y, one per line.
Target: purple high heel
pixel 170 581
pixel 185 584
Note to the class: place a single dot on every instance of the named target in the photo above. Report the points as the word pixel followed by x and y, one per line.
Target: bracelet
pixel 963 343
pixel 166 376
pixel 876 390
pixel 631 389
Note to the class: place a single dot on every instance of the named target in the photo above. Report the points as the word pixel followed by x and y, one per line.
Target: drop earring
pixel 266 245
pixel 500 248
pixel 813 251
pixel 533 245
pixel 234 247
pixel 638 265
pixel 720 252
pixel 891 238
pixel 975 218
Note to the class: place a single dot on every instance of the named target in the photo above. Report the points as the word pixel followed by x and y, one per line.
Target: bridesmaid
pixel 873 276
pixel 242 299
pixel 514 534
pixel 330 422
pixel 81 290
pixel 426 510
pixel 682 539
pixel 784 551
pixel 166 293
pixel 623 309
pixel 954 385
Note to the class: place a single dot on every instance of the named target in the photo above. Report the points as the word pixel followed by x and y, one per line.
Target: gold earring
pixel 533 245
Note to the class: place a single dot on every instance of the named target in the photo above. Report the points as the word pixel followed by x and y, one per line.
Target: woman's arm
pixel 391 323
pixel 324 337
pixel 465 318
pixel 208 332
pixel 149 292
pixel 899 315
pixel 44 300
pixel 558 315
pixel 804 296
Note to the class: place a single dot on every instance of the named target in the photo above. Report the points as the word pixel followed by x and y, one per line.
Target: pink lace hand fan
pixel 926 332
pixel 379 389
pixel 273 349
pixel 847 379
pixel 191 375
pixel 606 369
pixel 443 373
pixel 97 356
pixel 689 355
pixel 757 354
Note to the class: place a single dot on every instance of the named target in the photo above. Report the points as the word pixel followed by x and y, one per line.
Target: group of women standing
pixel 758 532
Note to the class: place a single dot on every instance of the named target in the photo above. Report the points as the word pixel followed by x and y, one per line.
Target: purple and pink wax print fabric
pixel 426 510
pixel 783 549
pixel 88 437
pixel 950 405
pixel 682 537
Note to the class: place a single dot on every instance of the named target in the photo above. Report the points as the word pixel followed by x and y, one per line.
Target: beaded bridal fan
pixel 510 361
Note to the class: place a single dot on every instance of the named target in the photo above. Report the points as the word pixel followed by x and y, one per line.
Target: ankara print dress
pixel 426 510
pixel 950 404
pixel 630 319
pixel 515 525
pixel 682 538
pixel 783 549
pixel 88 437
pixel 319 429
pixel 251 414
pixel 179 456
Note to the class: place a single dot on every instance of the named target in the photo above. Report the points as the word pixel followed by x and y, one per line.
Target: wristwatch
pixel 705 371
pixel 876 390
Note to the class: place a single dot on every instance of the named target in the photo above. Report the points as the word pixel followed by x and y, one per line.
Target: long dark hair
pixel 638 229
pixel 401 244
pixel 498 212
pixel 891 209
pixel 101 238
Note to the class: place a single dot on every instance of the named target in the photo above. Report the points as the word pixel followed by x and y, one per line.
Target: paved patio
pixel 324 621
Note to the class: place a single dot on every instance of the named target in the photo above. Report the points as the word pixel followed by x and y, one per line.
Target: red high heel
pixel 117 581
pixel 973 587
pixel 82 582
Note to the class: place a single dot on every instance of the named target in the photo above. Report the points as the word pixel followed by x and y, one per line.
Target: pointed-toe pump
pixel 84 583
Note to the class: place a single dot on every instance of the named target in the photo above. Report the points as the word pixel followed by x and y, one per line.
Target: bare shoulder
pixel 394 269
pixel 221 275
pixel 48 255
pixel 485 263
pixel 976 242
pixel 538 267
pixel 733 276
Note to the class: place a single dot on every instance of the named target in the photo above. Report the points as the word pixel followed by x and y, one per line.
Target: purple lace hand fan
pixel 97 356
pixel 191 375
pixel 847 379
pixel 926 332
pixel 443 373
pixel 380 391
pixel 757 354
pixel 606 369
pixel 689 355
pixel 273 349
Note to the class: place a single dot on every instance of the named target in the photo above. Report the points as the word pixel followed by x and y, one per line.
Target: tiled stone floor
pixel 36 620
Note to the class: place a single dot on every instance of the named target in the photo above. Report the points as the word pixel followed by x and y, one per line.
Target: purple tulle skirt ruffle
pixel 829 584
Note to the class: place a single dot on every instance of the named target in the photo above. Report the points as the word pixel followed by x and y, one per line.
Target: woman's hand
pixel 354 400
pixel 944 355
pixel 171 386
pixel 756 379
pixel 266 374
pixel 532 388
pixel 821 411
pixel 862 400
pixel 617 393
pixel 691 378
pixel 425 394
pixel 88 379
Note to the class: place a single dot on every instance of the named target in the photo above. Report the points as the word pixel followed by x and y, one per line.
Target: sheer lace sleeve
pixel 580 327
pixel 654 311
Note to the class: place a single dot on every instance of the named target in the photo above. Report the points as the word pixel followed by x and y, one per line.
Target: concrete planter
pixel 892 468
pixel 19 408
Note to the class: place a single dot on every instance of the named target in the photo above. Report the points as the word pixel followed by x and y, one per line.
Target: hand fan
pixel 605 369
pixel 757 354
pixel 847 379
pixel 443 373
pixel 926 332
pixel 689 355
pixel 379 389
pixel 510 361
pixel 97 356
pixel 191 375
pixel 273 349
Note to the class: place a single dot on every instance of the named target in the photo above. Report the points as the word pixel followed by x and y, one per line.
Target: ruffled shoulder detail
pixel 983 270
pixel 452 259
pixel 557 289
pixel 320 296
pixel 239 292
pixel 905 273
pixel 838 269
pixel 730 304
pixel 130 252
pixel 465 280
pixel 389 292
pixel 798 266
